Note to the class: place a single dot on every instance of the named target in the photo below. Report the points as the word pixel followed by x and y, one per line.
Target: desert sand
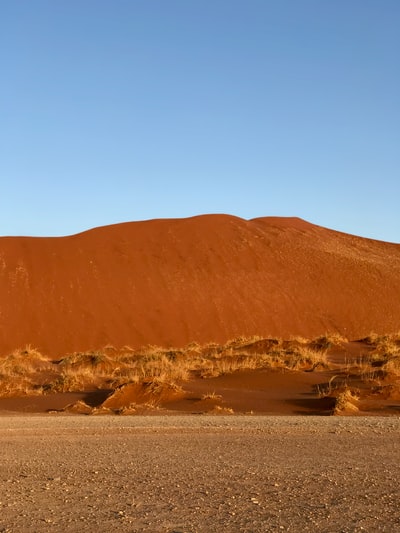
pixel 203 279
pixel 75 311
pixel 199 474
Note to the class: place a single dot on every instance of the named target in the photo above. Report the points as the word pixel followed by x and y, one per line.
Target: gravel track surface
pixel 199 474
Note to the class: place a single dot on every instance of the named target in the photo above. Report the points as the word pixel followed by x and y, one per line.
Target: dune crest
pixel 206 278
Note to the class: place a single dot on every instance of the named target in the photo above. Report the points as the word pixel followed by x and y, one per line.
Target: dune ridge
pixel 205 278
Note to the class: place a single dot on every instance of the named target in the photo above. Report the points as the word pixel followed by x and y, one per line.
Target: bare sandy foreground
pixel 199 474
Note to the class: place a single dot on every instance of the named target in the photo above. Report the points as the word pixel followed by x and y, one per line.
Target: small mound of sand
pixel 79 407
pixel 260 346
pixel 127 410
pixel 149 392
pixel 101 410
pixel 219 410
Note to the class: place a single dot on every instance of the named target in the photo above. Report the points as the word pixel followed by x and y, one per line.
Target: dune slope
pixel 206 278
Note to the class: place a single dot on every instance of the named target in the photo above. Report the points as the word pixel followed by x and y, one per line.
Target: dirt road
pixel 199 474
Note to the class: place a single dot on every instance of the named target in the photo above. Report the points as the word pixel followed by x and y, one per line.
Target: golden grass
pixel 27 371
pixel 211 396
pixel 385 353
pixel 346 401
pixel 22 372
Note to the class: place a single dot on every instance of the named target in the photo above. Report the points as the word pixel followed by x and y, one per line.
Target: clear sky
pixel 119 110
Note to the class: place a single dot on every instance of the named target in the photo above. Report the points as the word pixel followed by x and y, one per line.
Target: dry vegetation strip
pixel 27 372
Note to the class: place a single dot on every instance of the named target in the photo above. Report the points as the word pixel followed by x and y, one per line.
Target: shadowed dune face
pixel 207 278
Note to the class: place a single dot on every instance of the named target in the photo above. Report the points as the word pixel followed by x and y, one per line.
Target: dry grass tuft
pixel 211 396
pixel 346 401
pixel 327 341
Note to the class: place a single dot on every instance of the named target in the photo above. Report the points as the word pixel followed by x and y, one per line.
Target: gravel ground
pixel 199 474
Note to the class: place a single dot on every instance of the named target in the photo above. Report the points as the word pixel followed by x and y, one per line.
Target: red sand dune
pixel 206 278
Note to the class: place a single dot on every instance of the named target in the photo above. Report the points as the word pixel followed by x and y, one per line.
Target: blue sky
pixel 122 110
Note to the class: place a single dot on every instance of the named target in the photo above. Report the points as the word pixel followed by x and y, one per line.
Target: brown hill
pixel 206 278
